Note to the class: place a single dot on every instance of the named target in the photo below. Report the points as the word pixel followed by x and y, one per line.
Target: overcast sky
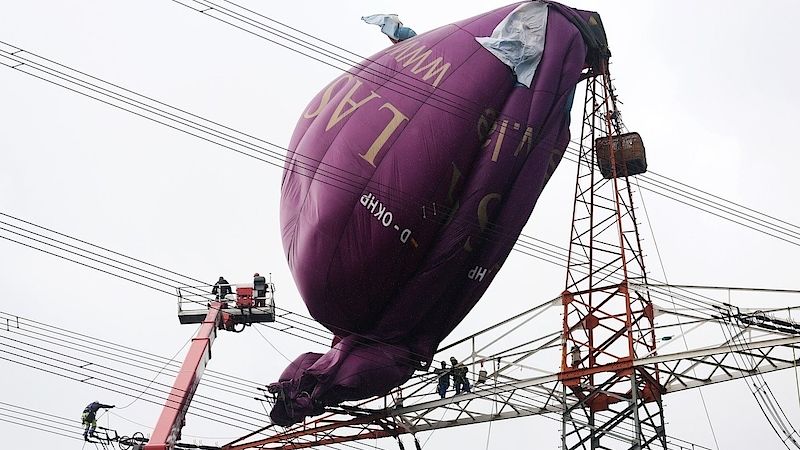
pixel 710 86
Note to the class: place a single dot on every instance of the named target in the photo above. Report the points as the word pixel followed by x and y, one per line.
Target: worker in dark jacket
pixel 89 418
pixel 260 288
pixel 443 383
pixel 460 380
pixel 221 288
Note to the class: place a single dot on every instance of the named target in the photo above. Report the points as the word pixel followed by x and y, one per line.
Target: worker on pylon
pixel 459 372
pixel 575 354
pixel 260 288
pixel 89 418
pixel 443 383
pixel 221 288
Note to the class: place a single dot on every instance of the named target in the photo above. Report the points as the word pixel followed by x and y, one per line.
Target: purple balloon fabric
pixel 408 180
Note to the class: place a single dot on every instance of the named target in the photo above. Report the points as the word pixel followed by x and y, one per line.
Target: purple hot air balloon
pixel 408 180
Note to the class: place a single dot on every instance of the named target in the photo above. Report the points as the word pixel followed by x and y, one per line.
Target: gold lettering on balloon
pixel 432 69
pixel 486 132
pixel 340 112
pixel 326 97
pixel 483 215
pixel 399 49
pixel 404 54
pixel 412 57
pixel 527 138
pixel 499 142
pixel 397 119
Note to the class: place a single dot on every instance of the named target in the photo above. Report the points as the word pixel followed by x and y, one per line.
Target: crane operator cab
pixel 254 302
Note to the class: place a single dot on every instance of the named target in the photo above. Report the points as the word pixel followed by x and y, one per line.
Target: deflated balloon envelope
pixel 409 179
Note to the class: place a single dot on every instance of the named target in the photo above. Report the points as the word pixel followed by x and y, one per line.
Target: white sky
pixel 709 85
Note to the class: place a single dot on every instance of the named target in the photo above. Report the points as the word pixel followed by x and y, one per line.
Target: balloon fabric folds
pixel 408 181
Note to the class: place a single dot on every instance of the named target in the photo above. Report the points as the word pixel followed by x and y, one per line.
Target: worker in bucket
pixel 260 288
pixel 221 288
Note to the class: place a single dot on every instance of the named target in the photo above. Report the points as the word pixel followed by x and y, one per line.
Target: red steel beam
pixel 168 428
pixel 370 434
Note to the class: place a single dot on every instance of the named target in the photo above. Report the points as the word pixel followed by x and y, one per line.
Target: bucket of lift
pixel 629 155
pixel 252 304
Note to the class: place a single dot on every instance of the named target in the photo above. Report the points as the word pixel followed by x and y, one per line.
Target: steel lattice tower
pixel 607 325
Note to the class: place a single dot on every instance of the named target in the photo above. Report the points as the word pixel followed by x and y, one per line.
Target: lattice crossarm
pixel 690 369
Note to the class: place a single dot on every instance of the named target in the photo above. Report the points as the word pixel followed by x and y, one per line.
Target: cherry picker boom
pixel 251 306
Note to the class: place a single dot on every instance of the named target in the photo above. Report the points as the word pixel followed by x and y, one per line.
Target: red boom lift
pixel 253 304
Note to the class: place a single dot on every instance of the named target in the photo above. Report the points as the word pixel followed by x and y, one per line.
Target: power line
pixel 339 178
pixel 92 371
pixel 493 230
pixel 24 423
pixel 87 351
pixel 117 377
pixel 32 415
pixel 107 346
pixel 94 245
pixel 296 324
pixel 211 9
pixel 112 386
pixel 307 328
pixel 29 353
pixel 128 360
pixel 86 265
pixel 680 324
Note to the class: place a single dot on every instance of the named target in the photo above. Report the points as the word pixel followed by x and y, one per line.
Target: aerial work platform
pixel 225 306
pixel 247 305
pixel 239 315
